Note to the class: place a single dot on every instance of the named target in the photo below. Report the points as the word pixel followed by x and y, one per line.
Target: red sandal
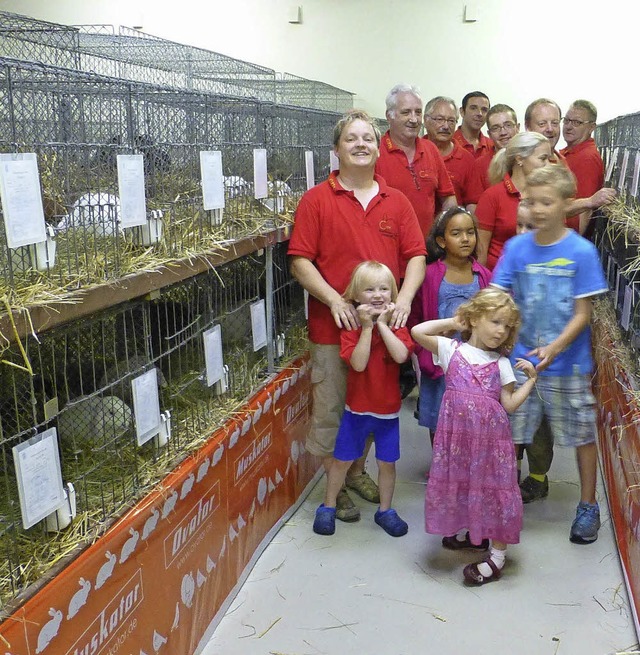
pixel 473 576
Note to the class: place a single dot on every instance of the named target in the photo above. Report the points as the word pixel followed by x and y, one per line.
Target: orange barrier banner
pixel 619 441
pixel 153 583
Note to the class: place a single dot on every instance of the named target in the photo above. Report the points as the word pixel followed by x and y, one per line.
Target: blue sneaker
pixel 584 529
pixel 325 521
pixel 391 523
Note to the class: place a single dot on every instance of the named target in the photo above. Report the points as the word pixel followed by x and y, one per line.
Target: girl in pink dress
pixel 472 492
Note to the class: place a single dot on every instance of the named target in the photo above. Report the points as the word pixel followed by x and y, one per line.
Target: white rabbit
pixel 79 598
pixel 187 486
pixel 169 504
pixel 235 186
pixel 49 630
pixel 129 545
pixel 203 469
pixel 150 523
pixel 106 569
pixel 217 455
pixel 99 212
pixel 94 419
pixel 121 369
pixel 187 589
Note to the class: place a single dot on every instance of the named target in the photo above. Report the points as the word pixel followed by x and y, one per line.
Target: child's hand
pixel 458 324
pixel 527 368
pixel 386 313
pixel 546 355
pixel 367 314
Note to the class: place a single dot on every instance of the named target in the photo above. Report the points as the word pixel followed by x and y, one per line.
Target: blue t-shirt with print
pixel 546 281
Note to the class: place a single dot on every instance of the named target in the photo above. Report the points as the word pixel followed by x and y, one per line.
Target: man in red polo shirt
pixel 502 125
pixel 352 217
pixel 409 163
pixel 582 156
pixel 440 118
pixel 544 116
pixel 469 136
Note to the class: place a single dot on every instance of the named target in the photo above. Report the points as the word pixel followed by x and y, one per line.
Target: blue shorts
pixel 568 404
pixel 354 430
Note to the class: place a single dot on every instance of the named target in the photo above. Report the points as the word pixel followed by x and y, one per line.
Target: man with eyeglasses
pixel 544 116
pixel 409 163
pixel 582 156
pixel 440 118
pixel 473 112
pixel 502 125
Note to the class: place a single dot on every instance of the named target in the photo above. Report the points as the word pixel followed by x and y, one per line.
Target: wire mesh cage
pixel 618 227
pixel 23 37
pixel 299 91
pixel 78 123
pixel 78 379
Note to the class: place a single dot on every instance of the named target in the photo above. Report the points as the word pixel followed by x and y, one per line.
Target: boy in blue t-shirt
pixel 554 273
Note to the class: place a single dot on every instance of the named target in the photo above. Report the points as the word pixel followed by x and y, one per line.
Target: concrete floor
pixel 364 592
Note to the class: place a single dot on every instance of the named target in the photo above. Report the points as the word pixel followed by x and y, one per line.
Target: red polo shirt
pixel 485 144
pixel 586 164
pixel 376 389
pixel 479 182
pixel 459 164
pixel 336 233
pixel 497 212
pixel 420 181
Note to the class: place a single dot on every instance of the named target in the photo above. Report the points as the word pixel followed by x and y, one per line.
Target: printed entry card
pixel 213 355
pixel 133 206
pixel 258 325
pixel 39 476
pixel 212 179
pixel 146 405
pixel 21 199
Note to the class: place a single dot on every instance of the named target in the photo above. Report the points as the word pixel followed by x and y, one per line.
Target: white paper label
pixel 623 170
pixel 146 405
pixel 213 355
pixel 21 199
pixel 260 173
pixel 39 475
pixel 212 180
pixel 636 174
pixel 334 162
pixel 259 324
pixel 625 318
pixel 133 206
pixel 610 165
pixel 309 169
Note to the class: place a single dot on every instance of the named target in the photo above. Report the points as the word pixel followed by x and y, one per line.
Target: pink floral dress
pixel 473 481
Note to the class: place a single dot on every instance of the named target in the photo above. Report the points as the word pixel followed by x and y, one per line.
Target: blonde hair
pixel 558 177
pixel 362 275
pixel 351 116
pixel 488 301
pixel 522 144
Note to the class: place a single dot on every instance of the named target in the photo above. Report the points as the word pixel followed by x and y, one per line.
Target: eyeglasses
pixel 495 129
pixel 573 122
pixel 441 120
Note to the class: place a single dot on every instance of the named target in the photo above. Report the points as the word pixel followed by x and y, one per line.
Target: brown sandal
pixel 452 543
pixel 473 576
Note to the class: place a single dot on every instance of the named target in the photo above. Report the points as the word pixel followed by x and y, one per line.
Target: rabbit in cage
pixel 156 159
pixel 124 367
pixel 90 420
pixel 105 158
pixel 98 212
